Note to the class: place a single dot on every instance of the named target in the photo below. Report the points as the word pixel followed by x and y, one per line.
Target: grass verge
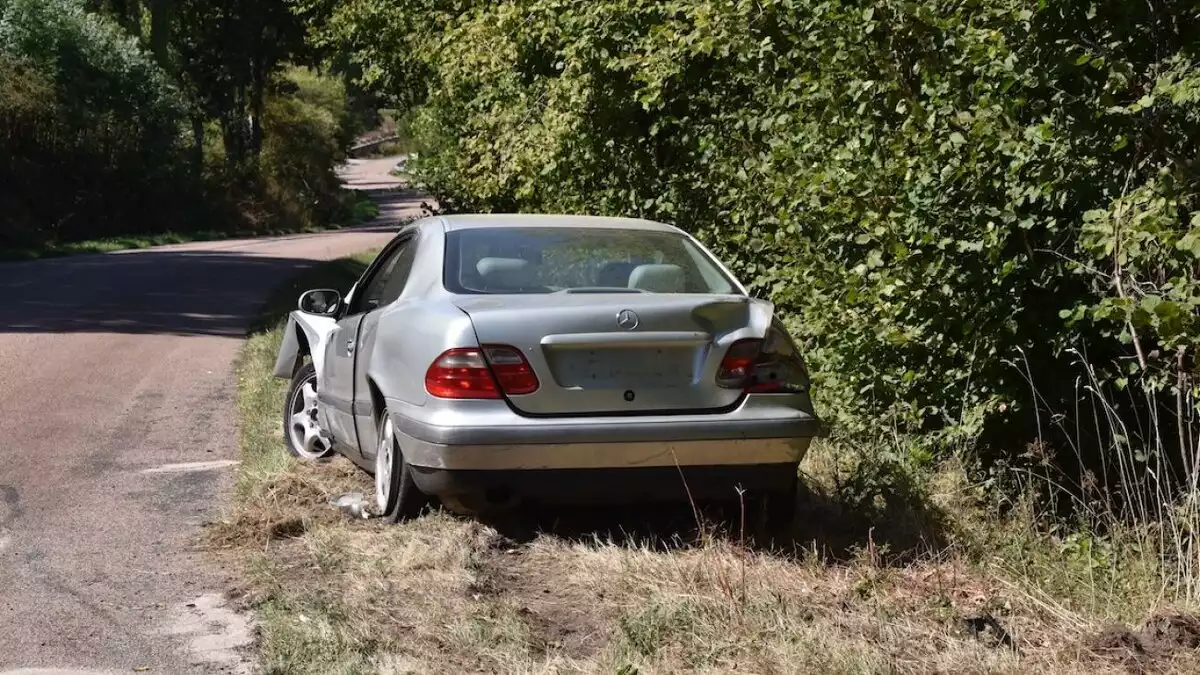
pixel 893 569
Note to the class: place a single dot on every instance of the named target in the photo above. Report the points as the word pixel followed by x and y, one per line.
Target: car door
pixel 364 403
pixel 336 387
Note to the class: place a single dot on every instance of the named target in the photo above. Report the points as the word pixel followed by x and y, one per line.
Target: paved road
pixel 112 369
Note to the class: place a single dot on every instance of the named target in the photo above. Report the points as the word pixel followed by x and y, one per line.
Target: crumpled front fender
pixel 305 334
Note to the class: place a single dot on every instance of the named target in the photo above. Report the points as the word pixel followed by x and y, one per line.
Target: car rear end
pixel 609 363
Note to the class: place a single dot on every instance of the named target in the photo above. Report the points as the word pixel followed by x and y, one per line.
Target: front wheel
pixel 396 495
pixel 301 431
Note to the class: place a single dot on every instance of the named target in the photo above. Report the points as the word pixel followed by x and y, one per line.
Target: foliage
pixel 86 119
pixel 933 191
pixel 306 125
pixel 226 52
pixel 96 102
pixel 99 71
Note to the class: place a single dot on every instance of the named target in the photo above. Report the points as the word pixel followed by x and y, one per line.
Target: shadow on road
pixel 339 274
pixel 166 292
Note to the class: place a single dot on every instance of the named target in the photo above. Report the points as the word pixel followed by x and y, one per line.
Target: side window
pixel 399 276
pixel 374 289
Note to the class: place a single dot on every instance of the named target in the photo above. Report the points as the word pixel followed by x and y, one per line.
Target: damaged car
pixel 486 360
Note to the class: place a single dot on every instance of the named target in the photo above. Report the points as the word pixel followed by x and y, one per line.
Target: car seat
pixel 658 278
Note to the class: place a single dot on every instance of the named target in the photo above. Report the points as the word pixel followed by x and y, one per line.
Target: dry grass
pixel 450 595
pixel 885 576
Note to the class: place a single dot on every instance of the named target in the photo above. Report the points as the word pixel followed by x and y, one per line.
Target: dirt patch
pixel 1174 630
pixel 288 528
pixel 563 618
pixel 1151 648
pixel 1119 644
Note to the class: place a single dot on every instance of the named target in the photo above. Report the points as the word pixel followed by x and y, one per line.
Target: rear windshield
pixel 578 260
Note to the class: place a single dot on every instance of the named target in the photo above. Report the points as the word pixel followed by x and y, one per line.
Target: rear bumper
pixel 423 454
pixel 763 430
pixel 494 423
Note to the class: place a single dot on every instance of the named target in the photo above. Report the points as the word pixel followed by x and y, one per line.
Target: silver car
pixel 488 359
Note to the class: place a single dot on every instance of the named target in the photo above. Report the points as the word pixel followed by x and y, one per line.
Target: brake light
pixel 772 364
pixel 738 365
pixel 512 371
pixel 480 373
pixel 461 373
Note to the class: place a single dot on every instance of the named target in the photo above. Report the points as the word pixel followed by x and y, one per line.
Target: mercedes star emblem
pixel 627 319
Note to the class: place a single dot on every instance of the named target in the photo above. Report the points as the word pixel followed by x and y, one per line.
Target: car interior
pixel 519 274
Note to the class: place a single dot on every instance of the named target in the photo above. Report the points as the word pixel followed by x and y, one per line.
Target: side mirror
pixel 320 301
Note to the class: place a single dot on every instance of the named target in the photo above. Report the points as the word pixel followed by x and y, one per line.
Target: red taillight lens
pixel 738 365
pixel 513 372
pixel 769 365
pixel 464 373
pixel 461 373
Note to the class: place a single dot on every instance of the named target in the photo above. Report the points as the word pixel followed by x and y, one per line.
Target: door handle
pixel 349 346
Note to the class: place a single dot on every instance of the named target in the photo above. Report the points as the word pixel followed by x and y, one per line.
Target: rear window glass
pixel 578 260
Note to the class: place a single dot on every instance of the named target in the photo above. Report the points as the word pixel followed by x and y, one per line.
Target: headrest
pixel 615 274
pixel 505 273
pixel 657 278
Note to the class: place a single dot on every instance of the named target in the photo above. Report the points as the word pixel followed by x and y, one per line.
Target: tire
pixel 302 434
pixel 397 497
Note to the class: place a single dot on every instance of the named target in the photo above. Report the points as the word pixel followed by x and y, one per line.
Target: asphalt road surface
pixel 117 419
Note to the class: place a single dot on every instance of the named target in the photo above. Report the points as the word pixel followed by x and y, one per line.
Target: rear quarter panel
pixel 411 336
pixel 412 332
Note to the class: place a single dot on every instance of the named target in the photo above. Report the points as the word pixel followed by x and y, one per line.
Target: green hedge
pixel 942 195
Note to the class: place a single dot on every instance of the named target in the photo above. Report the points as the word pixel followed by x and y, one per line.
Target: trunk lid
pixel 598 353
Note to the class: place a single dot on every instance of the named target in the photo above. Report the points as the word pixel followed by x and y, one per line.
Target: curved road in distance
pixel 113 368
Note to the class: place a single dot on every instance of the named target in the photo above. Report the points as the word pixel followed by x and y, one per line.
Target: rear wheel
pixel 397 497
pixel 301 431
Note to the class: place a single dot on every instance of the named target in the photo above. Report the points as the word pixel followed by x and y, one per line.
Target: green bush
pixel 941 195
pixel 88 126
pixel 307 129
pixel 292 184
pixel 98 140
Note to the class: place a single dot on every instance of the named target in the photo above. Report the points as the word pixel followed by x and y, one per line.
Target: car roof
pixel 477 220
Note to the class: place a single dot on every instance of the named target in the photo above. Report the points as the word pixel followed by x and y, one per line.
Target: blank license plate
pixel 609 368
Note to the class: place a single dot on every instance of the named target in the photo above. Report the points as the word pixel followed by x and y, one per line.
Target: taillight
pixel 512 371
pixel 461 373
pixel 480 373
pixel 738 365
pixel 757 365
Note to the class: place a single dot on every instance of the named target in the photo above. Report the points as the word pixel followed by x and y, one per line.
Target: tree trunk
pixel 198 141
pixel 233 128
pixel 160 28
pixel 257 94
